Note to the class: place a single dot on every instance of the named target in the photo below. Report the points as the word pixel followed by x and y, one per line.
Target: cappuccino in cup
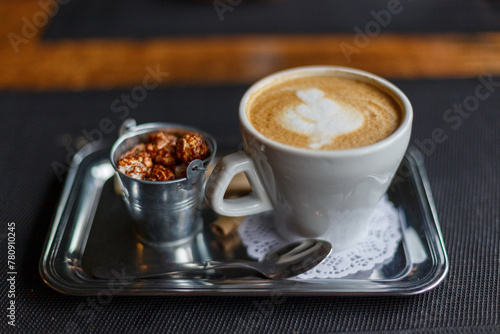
pixel 323 112
pixel 321 146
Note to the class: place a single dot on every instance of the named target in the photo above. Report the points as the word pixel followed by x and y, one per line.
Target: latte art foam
pixel 320 118
pixel 323 112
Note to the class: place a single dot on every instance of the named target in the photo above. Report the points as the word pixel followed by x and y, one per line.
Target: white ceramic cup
pixel 314 194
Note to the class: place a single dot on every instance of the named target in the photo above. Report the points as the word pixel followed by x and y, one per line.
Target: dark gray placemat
pixel 464 171
pixel 152 18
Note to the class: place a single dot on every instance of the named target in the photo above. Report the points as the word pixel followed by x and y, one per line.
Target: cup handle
pixel 222 175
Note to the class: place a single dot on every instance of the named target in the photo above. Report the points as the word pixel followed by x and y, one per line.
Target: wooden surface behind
pixel 103 64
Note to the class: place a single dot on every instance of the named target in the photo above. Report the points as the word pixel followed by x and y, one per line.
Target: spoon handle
pixel 132 271
pixel 234 264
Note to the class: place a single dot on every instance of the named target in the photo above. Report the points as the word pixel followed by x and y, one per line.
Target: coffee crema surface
pixel 323 112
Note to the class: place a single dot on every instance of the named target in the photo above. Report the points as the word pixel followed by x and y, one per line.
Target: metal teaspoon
pixel 287 261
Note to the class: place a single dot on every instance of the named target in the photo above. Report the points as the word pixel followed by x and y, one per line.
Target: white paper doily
pixel 378 246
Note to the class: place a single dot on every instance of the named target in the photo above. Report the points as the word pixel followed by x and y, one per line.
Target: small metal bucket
pixel 165 213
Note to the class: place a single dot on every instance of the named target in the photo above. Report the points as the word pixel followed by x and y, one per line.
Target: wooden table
pixel 32 64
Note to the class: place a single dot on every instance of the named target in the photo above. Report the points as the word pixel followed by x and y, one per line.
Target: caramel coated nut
pixel 190 147
pixel 162 146
pixel 136 165
pixel 160 173
pixel 166 156
pixel 139 148
pixel 162 139
pixel 180 171
pixel 151 149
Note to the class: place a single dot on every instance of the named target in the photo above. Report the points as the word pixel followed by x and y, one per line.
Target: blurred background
pixel 91 44
pixel 94 47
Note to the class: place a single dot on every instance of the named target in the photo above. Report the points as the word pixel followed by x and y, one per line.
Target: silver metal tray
pixel 92 228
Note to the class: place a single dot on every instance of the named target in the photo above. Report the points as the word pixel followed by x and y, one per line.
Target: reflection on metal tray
pixel 92 228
